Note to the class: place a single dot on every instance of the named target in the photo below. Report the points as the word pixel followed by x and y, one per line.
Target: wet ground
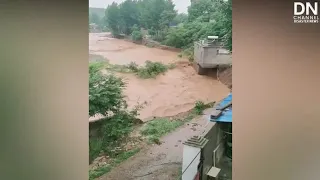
pixel 160 162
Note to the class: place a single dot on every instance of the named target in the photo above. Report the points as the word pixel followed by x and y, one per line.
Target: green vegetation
pixel 107 135
pixel 93 174
pixel 152 69
pixel 159 127
pixel 156 14
pixel 101 101
pixel 188 52
pixel 106 98
pixel 136 34
pixel 165 25
pixel 149 70
pixel 94 58
pixel 179 19
pixel 201 106
pixel 205 17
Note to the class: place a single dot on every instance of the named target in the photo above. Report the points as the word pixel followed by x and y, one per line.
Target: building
pixel 209 155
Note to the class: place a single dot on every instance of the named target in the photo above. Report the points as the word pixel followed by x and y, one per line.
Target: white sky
pixel 181 5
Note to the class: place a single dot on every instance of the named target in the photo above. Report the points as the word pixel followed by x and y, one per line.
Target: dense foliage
pixel 136 34
pixel 106 98
pixel 205 18
pixel 112 18
pixel 164 24
pixel 105 92
pixel 148 14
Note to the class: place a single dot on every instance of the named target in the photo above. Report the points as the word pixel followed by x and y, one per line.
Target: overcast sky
pixel 181 5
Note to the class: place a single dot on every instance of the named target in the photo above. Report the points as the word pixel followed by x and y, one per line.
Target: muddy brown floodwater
pixel 167 95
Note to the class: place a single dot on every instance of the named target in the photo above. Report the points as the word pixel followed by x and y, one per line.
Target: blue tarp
pixel 227 113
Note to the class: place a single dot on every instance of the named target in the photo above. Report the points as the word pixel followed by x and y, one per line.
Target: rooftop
pixel 226 114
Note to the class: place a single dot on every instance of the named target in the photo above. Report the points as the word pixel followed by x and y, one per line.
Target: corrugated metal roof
pixel 226 115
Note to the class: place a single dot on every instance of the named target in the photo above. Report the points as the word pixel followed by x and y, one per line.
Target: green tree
pixel 105 92
pixel 136 33
pixel 227 21
pixel 166 17
pixel 180 18
pixel 112 15
pixel 205 18
pixel 222 14
pixel 157 14
pixel 129 14
pixel 106 98
pixel 200 10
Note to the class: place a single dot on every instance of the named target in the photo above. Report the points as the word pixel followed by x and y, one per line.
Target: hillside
pixel 98 11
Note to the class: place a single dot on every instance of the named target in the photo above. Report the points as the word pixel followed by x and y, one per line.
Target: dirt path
pixel 167 95
pixel 160 162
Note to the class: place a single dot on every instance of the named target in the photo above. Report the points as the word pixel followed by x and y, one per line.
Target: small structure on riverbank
pixel 210 54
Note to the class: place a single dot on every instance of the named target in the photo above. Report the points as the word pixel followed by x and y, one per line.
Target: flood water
pixel 167 95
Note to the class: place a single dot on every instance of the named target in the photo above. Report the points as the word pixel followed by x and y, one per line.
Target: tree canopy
pixel 159 17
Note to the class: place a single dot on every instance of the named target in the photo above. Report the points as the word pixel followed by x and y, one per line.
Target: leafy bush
pixel 95 148
pixel 136 35
pixel 199 107
pixel 159 127
pixel 184 36
pixel 188 53
pixel 106 98
pixel 105 92
pixel 160 36
pixel 133 67
pixel 149 70
pixel 109 133
pixel 152 32
pixel 152 69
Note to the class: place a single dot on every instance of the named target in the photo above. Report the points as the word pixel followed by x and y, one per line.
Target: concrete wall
pixel 190 170
pixel 211 153
pixel 211 56
pixel 215 137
